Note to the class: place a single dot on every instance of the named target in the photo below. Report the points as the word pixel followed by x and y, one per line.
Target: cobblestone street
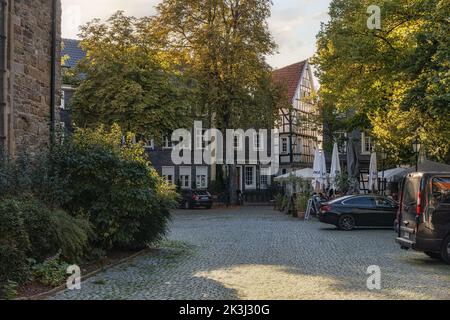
pixel 257 253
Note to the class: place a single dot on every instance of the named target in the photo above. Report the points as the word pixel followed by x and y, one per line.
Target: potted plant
pixel 301 205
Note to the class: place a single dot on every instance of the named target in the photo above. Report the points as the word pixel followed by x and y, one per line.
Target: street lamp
pixel 416 147
pixel 384 156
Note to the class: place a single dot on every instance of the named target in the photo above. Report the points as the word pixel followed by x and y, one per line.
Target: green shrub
pixel 113 184
pixel 14 243
pixel 9 290
pixel 52 272
pixel 72 235
pixel 40 229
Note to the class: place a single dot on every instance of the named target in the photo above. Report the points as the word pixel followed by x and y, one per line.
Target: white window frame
pixel 200 143
pixel 201 178
pixel 253 184
pixel 63 100
pixel 364 139
pixel 186 172
pixel 169 171
pixel 238 142
pixel 264 178
pixel 150 144
pixel 167 144
pixel 284 142
pixel 258 143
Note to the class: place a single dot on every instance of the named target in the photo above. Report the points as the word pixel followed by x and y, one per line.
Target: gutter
pixel 53 70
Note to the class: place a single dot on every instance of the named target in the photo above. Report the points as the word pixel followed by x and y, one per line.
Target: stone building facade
pixel 30 62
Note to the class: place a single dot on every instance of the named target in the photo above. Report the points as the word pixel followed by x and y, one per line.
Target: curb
pixel 44 295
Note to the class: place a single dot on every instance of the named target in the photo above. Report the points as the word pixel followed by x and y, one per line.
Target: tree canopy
pixel 395 79
pixel 126 80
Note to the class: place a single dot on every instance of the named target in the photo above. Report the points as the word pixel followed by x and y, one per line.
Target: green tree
pixel 221 45
pixel 126 80
pixel 396 79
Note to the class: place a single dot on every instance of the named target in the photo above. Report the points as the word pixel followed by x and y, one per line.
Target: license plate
pixel 406 235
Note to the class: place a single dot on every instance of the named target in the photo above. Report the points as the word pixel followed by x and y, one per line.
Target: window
pixel 250 178
pixel 341 140
pixel 441 191
pixel 264 178
pixel 201 179
pixel 258 142
pixel 366 144
pixel 200 143
pixel 168 173
pixel 410 191
pixel 238 142
pixel 360 201
pixel 63 100
pixel 381 202
pixel 168 144
pixel 149 144
pixel 185 177
pixel 284 145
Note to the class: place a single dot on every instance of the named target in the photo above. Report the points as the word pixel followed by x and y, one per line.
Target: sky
pixel 294 23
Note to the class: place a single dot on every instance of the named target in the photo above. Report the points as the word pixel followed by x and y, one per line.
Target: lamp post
pixel 416 147
pixel 384 156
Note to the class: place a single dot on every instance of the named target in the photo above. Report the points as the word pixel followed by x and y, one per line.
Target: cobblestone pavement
pixel 257 253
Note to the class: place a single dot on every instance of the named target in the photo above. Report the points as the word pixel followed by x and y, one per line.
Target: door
pixel 362 208
pixel 239 178
pixel 386 212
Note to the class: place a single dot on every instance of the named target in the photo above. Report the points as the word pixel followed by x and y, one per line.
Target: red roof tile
pixel 290 77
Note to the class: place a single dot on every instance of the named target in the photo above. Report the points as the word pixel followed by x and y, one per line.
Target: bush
pixel 113 184
pixel 73 235
pixel 14 243
pixel 51 272
pixel 39 228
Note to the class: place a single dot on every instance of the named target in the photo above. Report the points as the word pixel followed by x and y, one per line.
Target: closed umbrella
pixel 317 170
pixel 323 170
pixel 373 173
pixel 352 168
pixel 335 170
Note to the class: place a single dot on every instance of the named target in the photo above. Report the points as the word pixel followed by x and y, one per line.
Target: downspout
pixel 3 129
pixel 53 71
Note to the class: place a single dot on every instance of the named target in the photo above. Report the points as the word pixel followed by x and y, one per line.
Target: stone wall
pixel 29 72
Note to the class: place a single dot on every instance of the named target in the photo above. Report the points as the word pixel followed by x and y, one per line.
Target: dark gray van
pixel 423 219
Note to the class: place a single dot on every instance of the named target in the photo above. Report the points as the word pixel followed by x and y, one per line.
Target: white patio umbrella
pixel 335 170
pixel 319 171
pixel 323 170
pixel 373 173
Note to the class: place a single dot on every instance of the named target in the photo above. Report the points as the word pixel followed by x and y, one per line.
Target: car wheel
pixel 433 255
pixel 187 206
pixel 445 252
pixel 346 222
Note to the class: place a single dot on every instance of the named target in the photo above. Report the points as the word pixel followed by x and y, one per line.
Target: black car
pixel 423 221
pixel 350 212
pixel 195 199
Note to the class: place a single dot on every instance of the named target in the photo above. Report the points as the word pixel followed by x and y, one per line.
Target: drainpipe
pixel 2 74
pixel 53 70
